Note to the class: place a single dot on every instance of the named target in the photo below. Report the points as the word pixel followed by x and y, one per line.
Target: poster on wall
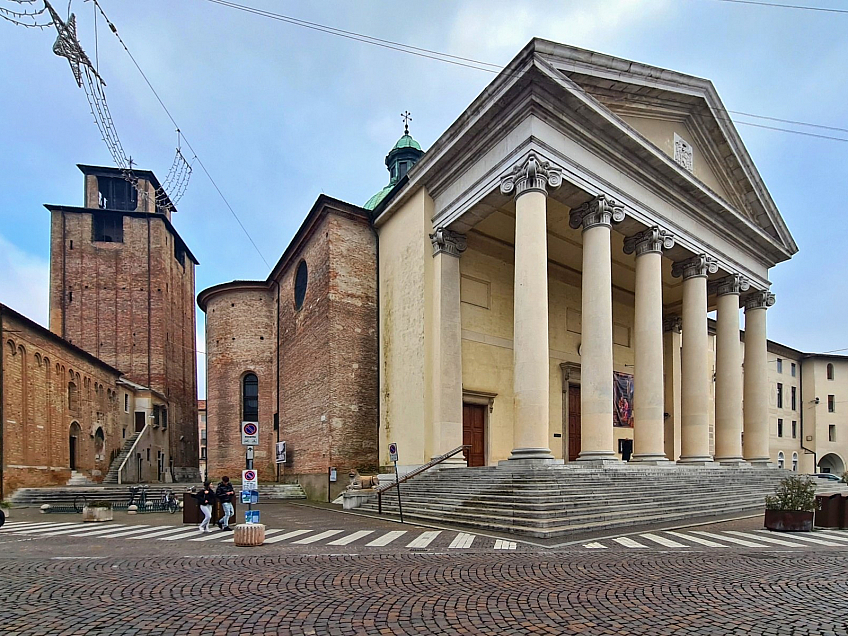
pixel 623 397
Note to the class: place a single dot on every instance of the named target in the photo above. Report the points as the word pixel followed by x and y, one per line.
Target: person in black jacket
pixel 225 493
pixel 206 499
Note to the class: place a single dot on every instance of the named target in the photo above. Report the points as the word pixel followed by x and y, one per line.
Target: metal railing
pixel 417 471
pixel 132 451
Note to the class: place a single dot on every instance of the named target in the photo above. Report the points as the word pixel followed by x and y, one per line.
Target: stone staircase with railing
pixel 115 467
pixel 571 500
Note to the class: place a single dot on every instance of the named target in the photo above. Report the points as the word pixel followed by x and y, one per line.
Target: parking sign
pixel 250 433
pixel 393 452
pixel 249 480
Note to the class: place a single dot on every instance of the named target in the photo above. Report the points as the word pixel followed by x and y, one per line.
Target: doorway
pixel 72 445
pixel 474 433
pixel 574 432
pixel 139 421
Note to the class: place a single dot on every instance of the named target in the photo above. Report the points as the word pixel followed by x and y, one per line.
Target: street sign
pixel 249 480
pixel 333 474
pixel 250 433
pixel 281 452
pixel 251 516
pixel 393 452
pixel 250 496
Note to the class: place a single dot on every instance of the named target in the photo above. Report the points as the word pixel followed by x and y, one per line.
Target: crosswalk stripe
pixel 318 537
pixel 462 541
pixel 287 535
pixel 126 532
pixel 689 537
pixel 749 535
pixel 94 531
pixel 63 526
pixel 627 542
pixel 159 533
pixel 832 534
pixel 351 537
pixel 803 537
pixel 228 536
pixel 386 539
pixel 669 543
pixel 501 544
pixel 187 532
pixel 729 539
pixel 30 526
pixel 215 535
pixel 595 545
pixel 424 539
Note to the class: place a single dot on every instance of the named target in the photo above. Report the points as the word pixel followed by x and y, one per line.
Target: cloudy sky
pixel 280 113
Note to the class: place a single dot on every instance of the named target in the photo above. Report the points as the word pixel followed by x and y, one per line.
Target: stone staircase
pixel 78 479
pixel 280 491
pixel 570 500
pixel 112 476
pixel 64 496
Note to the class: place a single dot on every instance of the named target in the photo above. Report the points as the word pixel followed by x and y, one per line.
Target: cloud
pixel 25 282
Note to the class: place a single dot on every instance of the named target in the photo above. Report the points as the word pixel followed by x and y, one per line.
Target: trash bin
pixel 829 510
pixel 843 518
pixel 191 511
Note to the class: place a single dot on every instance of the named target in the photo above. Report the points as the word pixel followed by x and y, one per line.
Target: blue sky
pixel 280 114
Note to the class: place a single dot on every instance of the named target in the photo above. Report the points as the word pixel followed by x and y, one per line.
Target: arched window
pixel 99 441
pixel 250 398
pixel 781 460
pixel 301 278
pixel 830 371
pixel 794 462
pixel 73 398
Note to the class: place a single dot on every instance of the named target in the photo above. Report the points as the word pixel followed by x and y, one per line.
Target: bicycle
pixel 169 501
pixel 141 493
pixel 79 503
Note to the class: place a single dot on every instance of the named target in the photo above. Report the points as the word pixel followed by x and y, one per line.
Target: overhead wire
pixel 778 5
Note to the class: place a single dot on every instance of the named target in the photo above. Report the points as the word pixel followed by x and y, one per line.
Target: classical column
pixel 531 356
pixel 756 444
pixel 672 325
pixel 728 383
pixel 695 389
pixel 446 382
pixel 596 395
pixel 648 403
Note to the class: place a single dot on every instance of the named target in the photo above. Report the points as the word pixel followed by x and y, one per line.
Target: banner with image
pixel 623 399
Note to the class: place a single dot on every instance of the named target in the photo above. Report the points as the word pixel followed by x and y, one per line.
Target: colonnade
pixel 528 182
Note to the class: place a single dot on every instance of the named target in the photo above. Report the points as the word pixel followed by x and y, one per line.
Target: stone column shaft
pixel 756 387
pixel 596 392
pixel 648 403
pixel 446 433
pixel 695 389
pixel 728 386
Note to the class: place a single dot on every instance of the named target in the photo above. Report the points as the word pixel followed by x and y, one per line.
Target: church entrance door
pixel 474 433
pixel 574 439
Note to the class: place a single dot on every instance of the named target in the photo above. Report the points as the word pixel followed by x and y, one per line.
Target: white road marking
pixel 424 539
pixel 318 537
pixel 62 526
pixel 126 532
pixel 287 535
pixel 231 539
pixel 688 537
pixel 836 535
pixel 386 539
pixel 627 542
pixel 185 534
pixel 160 533
pixel 501 544
pixel 669 543
pixel 463 540
pixel 750 535
pixel 736 540
pixel 351 537
pixel 800 536
pixel 23 525
pixel 95 532
pixel 595 546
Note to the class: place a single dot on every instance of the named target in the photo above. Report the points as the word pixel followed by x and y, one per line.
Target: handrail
pixel 132 449
pixel 433 462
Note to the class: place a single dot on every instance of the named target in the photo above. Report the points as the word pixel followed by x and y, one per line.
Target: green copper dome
pixel 374 201
pixel 406 142
pixel 403 155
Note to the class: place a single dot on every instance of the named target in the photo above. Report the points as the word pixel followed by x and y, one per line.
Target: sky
pixel 279 114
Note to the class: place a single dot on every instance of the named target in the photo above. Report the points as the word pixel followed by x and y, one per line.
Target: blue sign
pixel 251 516
pixel 250 496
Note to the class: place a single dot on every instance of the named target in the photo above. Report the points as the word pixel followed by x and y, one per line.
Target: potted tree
pixel 6 507
pixel 791 507
pixel 97 511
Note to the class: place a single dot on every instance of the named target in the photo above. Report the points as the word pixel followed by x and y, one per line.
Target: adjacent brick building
pixel 297 353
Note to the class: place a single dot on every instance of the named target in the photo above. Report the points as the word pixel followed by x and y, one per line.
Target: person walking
pixel 206 499
pixel 225 493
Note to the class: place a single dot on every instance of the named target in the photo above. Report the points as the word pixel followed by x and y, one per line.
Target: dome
pixel 403 155
pixel 374 201
pixel 406 142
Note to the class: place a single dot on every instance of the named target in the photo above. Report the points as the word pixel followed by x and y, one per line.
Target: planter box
pixel 789 521
pixel 97 514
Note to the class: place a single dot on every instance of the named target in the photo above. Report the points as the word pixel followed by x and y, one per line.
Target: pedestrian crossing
pixel 414 539
pixel 698 539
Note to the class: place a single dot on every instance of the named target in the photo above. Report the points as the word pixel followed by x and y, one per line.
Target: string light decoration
pixel 32 18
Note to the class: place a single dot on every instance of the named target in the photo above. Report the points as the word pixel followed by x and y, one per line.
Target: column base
pixel 530 453
pixel 761 462
pixel 649 460
pixel 597 458
pixel 457 461
pixel 732 462
pixel 705 461
pixel 529 463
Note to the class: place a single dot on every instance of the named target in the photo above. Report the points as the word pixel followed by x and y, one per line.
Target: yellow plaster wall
pixel 661 133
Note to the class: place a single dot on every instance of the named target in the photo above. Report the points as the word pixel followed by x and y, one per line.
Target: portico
pixel 552 228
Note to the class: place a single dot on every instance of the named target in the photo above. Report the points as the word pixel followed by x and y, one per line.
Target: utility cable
pixel 777 5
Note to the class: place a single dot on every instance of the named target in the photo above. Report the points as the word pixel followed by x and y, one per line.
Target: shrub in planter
pixel 97 511
pixel 6 507
pixel 791 507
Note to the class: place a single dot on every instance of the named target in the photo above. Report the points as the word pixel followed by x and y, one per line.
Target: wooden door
pixel 139 421
pixel 474 433
pixel 574 438
pixel 72 441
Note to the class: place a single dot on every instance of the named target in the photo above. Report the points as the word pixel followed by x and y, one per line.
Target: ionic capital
pixel 448 242
pixel 602 210
pixel 699 265
pixel 732 284
pixel 533 175
pixel 672 323
pixel 759 300
pixel 652 240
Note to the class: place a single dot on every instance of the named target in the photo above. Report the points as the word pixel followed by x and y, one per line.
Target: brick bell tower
pixel 122 288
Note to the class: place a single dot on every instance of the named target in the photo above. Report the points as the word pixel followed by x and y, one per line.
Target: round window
pixel 300 280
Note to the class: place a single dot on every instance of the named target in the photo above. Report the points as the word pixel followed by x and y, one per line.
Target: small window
pixel 73 397
pixel 792 369
pixel 779 395
pixel 126 402
pixel 202 452
pixel 831 433
pixel 250 398
pixel 830 371
pixel 794 462
pixel 107 228
pixel 179 253
pixel 793 397
pixel 403 168
pixel 780 460
pixel 164 417
pixel 780 365
pixel 116 193
pixel 779 427
pixel 831 404
pixel 300 280
pixel 794 429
